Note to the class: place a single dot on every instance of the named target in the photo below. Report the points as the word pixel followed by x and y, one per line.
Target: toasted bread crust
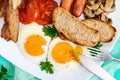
pixel 107 32
pixel 73 29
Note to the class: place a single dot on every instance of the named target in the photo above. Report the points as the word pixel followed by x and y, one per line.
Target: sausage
pixel 78 7
pixel 66 4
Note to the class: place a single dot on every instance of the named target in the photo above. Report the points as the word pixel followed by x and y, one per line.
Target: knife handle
pixel 94 68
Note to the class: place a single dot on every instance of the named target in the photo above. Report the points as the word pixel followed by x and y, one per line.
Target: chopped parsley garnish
pixel 98 45
pixel 50 31
pixel 47 66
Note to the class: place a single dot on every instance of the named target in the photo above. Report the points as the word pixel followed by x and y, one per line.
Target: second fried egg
pixel 64 55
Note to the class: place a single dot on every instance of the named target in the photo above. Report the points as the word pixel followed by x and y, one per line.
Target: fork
pixel 100 54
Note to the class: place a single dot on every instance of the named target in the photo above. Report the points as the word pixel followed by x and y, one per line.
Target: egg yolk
pixel 62 52
pixel 33 45
pixel 78 50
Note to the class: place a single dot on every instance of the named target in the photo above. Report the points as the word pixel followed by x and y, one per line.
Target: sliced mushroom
pixel 105 18
pixel 93 4
pixel 92 13
pixel 108 5
pixel 89 13
pixel 98 11
pixel 109 20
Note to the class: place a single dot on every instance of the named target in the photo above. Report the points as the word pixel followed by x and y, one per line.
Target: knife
pixel 94 68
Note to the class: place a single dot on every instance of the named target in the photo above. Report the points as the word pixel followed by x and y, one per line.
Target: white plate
pixel 9 50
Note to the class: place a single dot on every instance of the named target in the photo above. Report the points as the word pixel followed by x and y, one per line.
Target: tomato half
pixel 39 11
pixel 46 8
pixel 28 11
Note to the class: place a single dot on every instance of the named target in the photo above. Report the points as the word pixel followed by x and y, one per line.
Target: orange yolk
pixel 33 45
pixel 78 51
pixel 62 52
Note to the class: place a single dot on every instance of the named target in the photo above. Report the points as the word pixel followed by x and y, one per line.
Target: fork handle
pixel 94 68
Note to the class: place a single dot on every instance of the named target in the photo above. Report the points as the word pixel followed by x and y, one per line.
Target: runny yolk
pixel 62 52
pixel 78 50
pixel 33 45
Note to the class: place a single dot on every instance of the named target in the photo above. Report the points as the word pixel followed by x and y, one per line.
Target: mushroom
pixel 98 11
pixel 93 4
pixel 108 5
pixel 92 13
pixel 89 13
pixel 105 18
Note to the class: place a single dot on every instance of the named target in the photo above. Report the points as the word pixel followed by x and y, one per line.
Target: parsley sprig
pixel 4 73
pixel 98 45
pixel 50 31
pixel 47 66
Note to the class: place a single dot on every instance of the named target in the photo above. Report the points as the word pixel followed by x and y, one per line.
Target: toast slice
pixel 107 32
pixel 73 29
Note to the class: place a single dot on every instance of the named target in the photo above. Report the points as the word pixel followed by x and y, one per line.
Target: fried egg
pixel 32 42
pixel 64 55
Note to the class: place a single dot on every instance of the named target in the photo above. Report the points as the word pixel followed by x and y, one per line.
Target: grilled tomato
pixel 28 11
pixel 39 11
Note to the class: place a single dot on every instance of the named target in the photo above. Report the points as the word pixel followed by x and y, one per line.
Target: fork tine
pixel 91 48
pixel 94 50
pixel 94 53
pixel 99 57
pixel 97 53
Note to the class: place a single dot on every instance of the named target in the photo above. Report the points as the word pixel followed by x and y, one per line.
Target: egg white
pixel 24 33
pixel 58 66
